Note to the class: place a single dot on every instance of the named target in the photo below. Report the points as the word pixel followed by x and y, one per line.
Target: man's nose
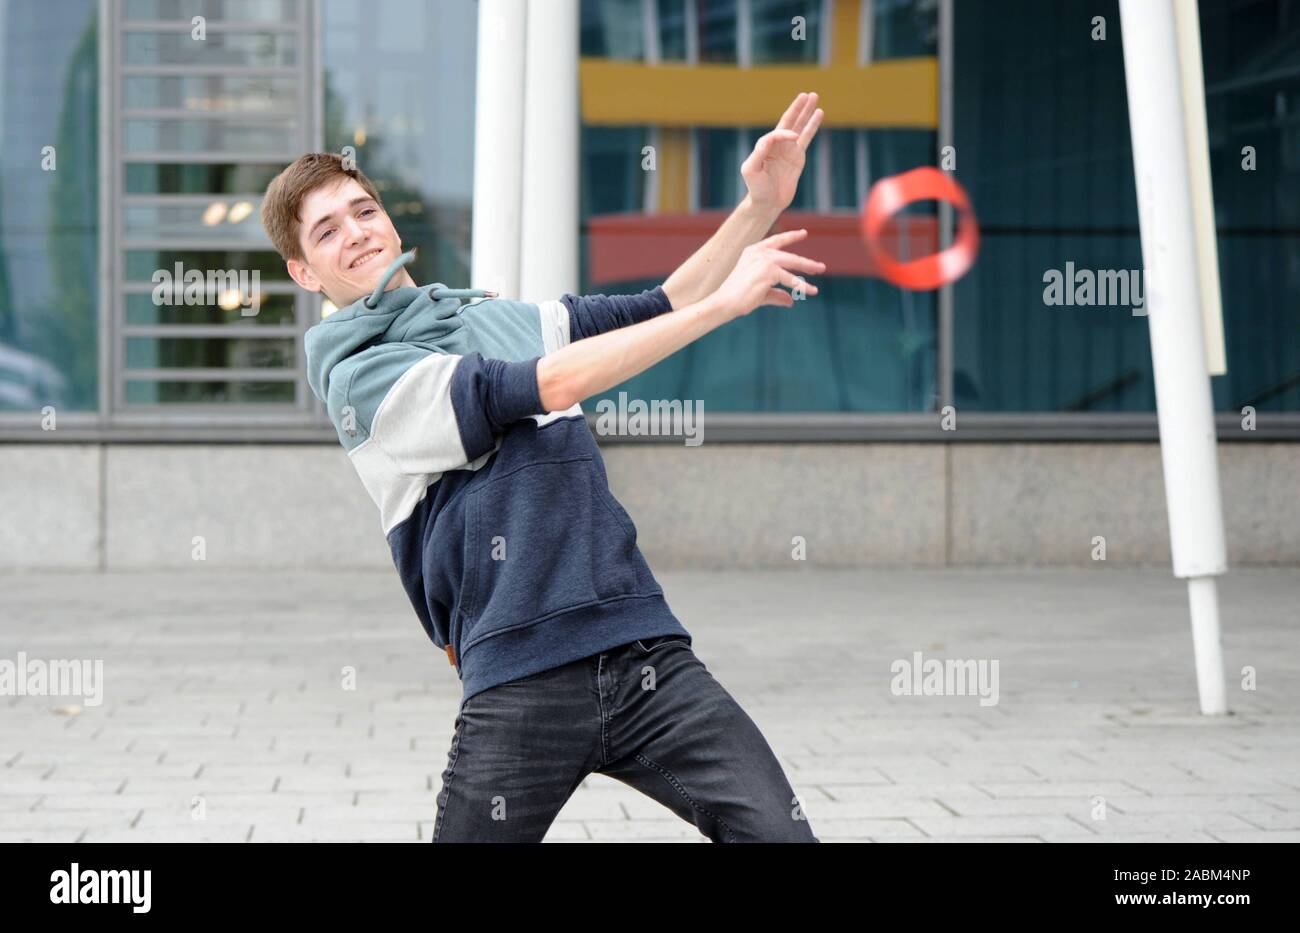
pixel 355 232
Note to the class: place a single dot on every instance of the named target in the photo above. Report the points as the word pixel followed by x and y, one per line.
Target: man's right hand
pixel 761 268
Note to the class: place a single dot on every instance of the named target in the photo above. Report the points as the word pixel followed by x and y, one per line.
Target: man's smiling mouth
pixel 365 258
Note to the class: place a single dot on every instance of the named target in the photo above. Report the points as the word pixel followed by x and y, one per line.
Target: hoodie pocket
pixel 542 539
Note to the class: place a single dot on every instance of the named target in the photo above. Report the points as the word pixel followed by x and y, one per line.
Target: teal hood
pixel 426 316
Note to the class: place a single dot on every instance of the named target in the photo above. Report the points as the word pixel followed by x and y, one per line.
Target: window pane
pixel 1044 321
pixel 719 161
pixel 776 37
pixel 240 135
pixel 906 28
pixel 210 353
pixel 227 11
pixel 49 197
pixel 672 30
pixel 224 392
pixel 409 115
pixel 613 29
pixel 716 24
pixel 612 179
pixel 210 93
pixel 198 178
pixel 224 219
pixel 141 264
pixel 233 49
pixel 141 309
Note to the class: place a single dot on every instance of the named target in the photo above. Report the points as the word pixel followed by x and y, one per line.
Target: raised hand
pixel 772 170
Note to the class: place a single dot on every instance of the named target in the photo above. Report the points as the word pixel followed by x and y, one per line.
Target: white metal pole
pixel 1184 408
pixel 549 249
pixel 498 146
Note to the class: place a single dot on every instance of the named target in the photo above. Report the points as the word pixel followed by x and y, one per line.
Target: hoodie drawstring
pixel 437 293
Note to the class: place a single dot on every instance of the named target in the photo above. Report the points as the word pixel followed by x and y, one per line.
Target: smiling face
pixel 348 241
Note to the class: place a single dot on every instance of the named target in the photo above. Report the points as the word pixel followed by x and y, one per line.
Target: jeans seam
pixel 604 719
pixel 451 773
pixel 677 785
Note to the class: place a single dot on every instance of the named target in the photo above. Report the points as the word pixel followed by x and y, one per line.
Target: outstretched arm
pixel 771 176
pixel 585 367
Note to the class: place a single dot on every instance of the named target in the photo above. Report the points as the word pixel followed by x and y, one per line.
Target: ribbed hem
pixel 518 394
pixel 569 636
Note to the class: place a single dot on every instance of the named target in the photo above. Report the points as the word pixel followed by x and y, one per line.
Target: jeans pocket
pixel 648 645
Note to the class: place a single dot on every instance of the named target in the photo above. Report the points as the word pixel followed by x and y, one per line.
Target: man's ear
pixel 301 273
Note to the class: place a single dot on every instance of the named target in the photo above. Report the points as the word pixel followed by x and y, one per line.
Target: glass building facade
pixel 135 145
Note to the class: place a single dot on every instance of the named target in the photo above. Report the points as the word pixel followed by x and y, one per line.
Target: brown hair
pixel 284 196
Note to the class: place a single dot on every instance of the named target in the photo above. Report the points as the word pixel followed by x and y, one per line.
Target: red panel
pixel 627 247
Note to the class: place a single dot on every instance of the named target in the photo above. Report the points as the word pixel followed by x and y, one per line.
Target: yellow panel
pixel 902 92
pixel 845 30
pixel 674 164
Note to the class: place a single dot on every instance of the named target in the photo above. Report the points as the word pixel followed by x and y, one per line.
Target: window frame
pixel 306 421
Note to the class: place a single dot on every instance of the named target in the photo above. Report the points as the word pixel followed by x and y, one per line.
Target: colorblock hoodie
pixel 514 553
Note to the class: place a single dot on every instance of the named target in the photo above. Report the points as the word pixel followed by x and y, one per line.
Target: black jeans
pixel 648 714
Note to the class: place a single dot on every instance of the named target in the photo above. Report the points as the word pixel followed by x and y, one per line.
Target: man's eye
pixel 324 235
pixel 368 210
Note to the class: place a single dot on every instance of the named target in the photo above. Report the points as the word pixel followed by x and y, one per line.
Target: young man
pixel 465 426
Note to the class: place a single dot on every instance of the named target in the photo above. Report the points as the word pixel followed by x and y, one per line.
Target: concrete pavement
pixel 224 695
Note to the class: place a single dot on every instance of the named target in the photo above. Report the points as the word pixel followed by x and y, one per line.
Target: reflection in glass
pixel 229 49
pixel 49 217
pixel 409 115
pixel 209 392
pixel 226 11
pixel 775 38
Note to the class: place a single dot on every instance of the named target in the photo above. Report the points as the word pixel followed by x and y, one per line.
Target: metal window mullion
pixel 212 331
pixel 185 200
pixel 311 93
pixel 207 156
pixel 223 71
pixel 944 338
pixel 116 223
pixel 185 26
pixel 136 287
pixel 824 37
pixel 692 33
pixel 866 31
pixel 209 374
pixel 650 26
pixel 175 243
pixel 745 42
pixel 107 169
pixel 176 113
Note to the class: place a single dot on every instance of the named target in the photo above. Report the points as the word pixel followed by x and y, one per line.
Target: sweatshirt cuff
pixel 517 392
pixel 662 302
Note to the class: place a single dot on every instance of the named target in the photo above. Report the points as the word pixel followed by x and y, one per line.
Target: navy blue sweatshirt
pixel 514 553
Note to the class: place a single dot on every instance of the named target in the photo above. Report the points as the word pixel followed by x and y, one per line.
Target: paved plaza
pixel 224 696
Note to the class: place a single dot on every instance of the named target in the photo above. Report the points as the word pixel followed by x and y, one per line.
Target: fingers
pixel 792 112
pixel 792 281
pixel 775 296
pixel 785 238
pixel 805 112
pixel 810 130
pixel 795 261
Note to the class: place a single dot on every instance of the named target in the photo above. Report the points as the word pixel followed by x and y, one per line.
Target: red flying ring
pixel 889 196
